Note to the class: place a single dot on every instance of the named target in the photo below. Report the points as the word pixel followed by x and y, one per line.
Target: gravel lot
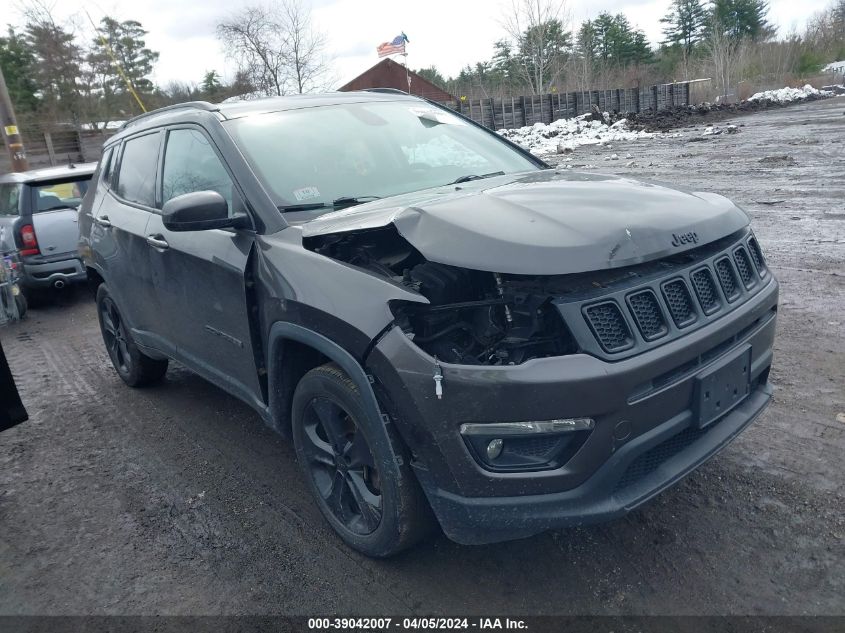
pixel 177 500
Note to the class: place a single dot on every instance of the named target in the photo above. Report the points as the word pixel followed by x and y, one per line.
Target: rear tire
pixel 132 365
pixel 23 306
pixel 356 467
pixel 35 297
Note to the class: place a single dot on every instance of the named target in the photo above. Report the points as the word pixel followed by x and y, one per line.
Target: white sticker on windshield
pixel 306 193
pixel 438 116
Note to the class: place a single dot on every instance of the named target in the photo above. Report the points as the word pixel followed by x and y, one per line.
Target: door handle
pixel 157 241
pixel 103 221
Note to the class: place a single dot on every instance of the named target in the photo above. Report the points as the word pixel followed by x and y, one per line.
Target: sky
pixel 448 34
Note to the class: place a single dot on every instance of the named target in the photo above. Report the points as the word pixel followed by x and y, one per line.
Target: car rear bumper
pixel 47 272
pixel 637 404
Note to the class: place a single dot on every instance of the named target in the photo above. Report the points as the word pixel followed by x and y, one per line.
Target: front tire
pixel 355 466
pixel 132 365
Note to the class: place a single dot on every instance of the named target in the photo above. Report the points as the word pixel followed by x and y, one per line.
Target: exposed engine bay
pixel 473 318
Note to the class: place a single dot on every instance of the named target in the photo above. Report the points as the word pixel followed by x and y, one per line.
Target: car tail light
pixel 29 241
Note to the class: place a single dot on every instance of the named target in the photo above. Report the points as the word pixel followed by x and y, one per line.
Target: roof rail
pixel 199 105
pixel 391 91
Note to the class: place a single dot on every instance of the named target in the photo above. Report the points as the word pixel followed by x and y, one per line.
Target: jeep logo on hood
pixel 690 237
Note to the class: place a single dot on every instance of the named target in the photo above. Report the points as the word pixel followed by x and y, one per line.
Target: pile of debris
pixel 685 116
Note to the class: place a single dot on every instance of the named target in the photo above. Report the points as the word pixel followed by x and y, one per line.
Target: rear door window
pixel 137 178
pixel 191 164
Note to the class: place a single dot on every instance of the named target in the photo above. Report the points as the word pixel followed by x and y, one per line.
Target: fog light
pixel 494 449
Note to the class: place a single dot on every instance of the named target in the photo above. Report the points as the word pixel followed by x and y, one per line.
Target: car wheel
pixel 133 366
pixel 36 297
pixel 23 306
pixel 355 466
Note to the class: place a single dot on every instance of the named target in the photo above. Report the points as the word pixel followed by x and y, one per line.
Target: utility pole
pixel 11 134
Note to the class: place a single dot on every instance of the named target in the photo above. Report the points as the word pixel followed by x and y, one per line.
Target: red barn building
pixel 390 74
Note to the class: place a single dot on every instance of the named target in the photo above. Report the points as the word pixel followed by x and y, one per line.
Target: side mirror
pixel 200 211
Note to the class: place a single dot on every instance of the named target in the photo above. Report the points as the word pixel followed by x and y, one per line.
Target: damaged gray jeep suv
pixel 450 331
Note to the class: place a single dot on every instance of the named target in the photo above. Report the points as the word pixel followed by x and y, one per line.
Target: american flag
pixel 393 47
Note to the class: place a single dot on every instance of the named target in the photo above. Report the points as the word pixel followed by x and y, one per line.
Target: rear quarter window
pixel 137 178
pixel 10 199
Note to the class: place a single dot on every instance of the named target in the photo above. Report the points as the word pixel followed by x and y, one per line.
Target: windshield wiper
pixel 348 201
pixel 305 206
pixel 469 177
pixel 337 203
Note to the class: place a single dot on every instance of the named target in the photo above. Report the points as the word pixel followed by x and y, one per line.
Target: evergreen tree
pixel 641 52
pixel 56 67
pixel 685 24
pixel 586 45
pixel 125 47
pixel 211 85
pixel 741 19
pixel 17 61
pixel 432 75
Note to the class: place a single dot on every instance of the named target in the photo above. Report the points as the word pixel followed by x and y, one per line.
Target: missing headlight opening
pixel 473 318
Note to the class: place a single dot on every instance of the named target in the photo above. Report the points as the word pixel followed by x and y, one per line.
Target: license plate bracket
pixel 722 387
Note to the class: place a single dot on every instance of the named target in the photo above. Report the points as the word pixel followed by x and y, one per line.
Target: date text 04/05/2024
pixel 420 623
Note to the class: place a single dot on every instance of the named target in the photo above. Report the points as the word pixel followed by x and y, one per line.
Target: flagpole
pixel 407 73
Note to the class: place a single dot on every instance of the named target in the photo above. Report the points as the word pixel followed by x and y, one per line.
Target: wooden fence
pixel 520 111
pixel 57 145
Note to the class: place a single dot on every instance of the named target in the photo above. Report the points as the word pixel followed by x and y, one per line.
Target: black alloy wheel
pixel 114 336
pixel 134 367
pixel 342 465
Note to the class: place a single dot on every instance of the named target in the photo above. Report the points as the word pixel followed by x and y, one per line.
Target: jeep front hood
pixel 545 222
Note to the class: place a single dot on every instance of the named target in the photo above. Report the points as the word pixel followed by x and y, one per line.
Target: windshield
pixel 60 194
pixel 367 150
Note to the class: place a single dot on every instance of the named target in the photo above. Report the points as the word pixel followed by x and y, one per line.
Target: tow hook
pixel 438 380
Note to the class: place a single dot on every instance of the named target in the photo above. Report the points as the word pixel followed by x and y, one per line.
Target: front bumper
pixel 44 272
pixel 649 396
pixel 624 482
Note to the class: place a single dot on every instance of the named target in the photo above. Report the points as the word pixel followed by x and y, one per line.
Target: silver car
pixel 38 223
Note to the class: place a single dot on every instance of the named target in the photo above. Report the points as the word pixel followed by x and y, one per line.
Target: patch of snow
pixel 788 95
pixel 564 135
pixel 715 130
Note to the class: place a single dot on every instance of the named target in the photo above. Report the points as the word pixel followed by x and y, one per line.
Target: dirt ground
pixel 177 500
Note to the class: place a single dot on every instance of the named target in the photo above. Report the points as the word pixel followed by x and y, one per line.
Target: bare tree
pixel 252 39
pixel 725 53
pixel 305 53
pixel 277 47
pixel 540 35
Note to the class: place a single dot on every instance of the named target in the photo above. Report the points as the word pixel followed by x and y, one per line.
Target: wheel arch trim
pixel 282 331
